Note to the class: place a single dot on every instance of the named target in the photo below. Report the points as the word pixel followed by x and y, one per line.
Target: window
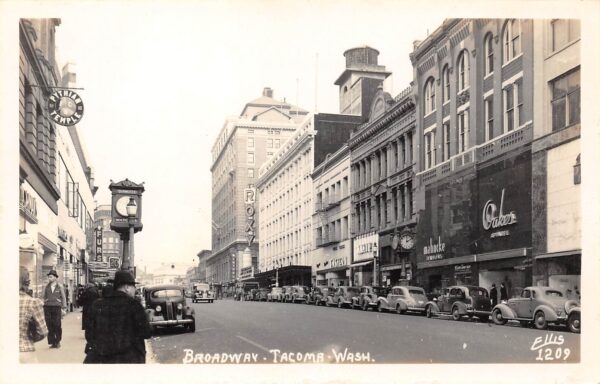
pixel 446 134
pixel 463 71
pixel 489 118
pixel 511 41
pixel 269 143
pixel 563 31
pixel 277 143
pixel 577 170
pixel 488 48
pixel 445 84
pixel 250 173
pixel 463 131
pixel 250 158
pixel 566 100
pixel 250 142
pixel 513 106
pixel 269 153
pixel 251 131
pixel 429 96
pixel 429 150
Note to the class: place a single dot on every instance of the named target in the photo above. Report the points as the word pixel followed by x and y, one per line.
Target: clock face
pixel 121 205
pixel 407 241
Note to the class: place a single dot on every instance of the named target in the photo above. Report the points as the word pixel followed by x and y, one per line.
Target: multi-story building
pixel 244 143
pixel 382 192
pixel 474 112
pixel 556 149
pixel 202 256
pixel 108 250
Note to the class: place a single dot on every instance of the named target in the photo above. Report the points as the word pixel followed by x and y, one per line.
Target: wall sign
pixel 28 205
pixel 495 218
pixel 65 107
pixel 366 246
pixel 434 251
pixel 249 200
pixel 98 246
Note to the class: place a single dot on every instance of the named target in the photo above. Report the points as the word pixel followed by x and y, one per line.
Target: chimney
pixel 268 92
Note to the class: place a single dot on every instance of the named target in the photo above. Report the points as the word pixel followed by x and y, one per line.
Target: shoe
pixel 57 345
pixel 53 346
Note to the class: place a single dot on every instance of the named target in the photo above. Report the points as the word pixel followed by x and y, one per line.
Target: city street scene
pixel 240 183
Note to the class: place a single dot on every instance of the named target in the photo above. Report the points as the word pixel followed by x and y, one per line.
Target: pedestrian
pixel 503 293
pixel 117 326
pixel 494 295
pixel 55 306
pixel 32 325
pixel 86 299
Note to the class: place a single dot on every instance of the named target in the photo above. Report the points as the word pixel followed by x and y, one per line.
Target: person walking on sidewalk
pixel 117 326
pixel 55 306
pixel 32 325
pixel 87 298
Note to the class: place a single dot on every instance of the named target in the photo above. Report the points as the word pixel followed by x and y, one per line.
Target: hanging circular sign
pixel 65 107
pixel 395 241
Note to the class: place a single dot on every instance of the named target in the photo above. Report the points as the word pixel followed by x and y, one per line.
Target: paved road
pixel 228 330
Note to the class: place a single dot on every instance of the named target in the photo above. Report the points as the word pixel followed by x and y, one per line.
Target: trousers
pixel 53 317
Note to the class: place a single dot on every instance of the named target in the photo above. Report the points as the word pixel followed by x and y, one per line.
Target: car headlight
pixel 158 308
pixel 179 306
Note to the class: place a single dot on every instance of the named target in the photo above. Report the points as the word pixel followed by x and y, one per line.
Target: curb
pixel 150 355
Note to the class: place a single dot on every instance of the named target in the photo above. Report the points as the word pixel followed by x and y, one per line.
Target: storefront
pixel 333 272
pixel 365 249
pixel 290 275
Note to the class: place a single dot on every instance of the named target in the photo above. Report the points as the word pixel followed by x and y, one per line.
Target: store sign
pixel 28 205
pixel 65 107
pixel 98 246
pixel 249 200
pixel 113 262
pixel 366 246
pixel 246 272
pixel 494 217
pixel 462 269
pixel 434 251
pixel 339 262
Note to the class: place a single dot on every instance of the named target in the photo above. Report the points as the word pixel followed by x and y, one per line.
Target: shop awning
pixel 334 269
pixel 559 254
pixel 361 264
pixel 46 243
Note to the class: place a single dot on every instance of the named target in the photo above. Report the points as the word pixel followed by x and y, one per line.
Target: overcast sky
pixel 159 82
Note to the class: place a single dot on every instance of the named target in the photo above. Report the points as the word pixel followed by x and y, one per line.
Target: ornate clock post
pixel 127 217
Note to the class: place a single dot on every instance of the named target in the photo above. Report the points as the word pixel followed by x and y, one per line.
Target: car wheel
pixel 540 320
pixel 340 304
pixel 327 303
pixel 574 322
pixel 379 307
pixel 428 312
pixel 365 306
pixel 191 327
pixel 497 317
pixel 455 313
pixel 399 310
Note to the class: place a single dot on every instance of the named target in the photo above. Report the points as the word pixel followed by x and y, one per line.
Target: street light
pixel 131 213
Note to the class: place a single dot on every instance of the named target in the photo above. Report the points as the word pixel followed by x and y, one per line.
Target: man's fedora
pixel 123 278
pixel 53 273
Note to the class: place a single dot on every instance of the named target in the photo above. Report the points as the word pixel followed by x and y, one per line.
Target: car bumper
pixel 171 322
pixel 197 299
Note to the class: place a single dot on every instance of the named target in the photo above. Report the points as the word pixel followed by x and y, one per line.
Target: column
pixel 406 202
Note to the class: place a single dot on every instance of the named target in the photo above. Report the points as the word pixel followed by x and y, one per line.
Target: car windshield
pixel 167 293
pixel 380 291
pixel 201 287
pixel 277 290
pixel 481 292
pixel 553 293
pixel 416 291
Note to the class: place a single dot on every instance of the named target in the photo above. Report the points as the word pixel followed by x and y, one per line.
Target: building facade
pixel 382 167
pixel 108 247
pixel 556 151
pixel 202 256
pixel 244 144
pixel 474 111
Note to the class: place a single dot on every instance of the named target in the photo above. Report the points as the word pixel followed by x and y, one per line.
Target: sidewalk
pixel 72 346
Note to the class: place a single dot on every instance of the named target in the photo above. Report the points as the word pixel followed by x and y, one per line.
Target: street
pixel 259 332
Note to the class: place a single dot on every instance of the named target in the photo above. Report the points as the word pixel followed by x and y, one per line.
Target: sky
pixel 160 81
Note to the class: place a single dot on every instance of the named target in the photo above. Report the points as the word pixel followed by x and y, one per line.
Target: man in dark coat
pixel 117 326
pixel 86 299
pixel 494 295
pixel 503 293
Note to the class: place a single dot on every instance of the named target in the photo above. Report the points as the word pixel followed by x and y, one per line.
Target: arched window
pixel 489 53
pixel 511 40
pixel 445 84
pixel 429 96
pixel 463 71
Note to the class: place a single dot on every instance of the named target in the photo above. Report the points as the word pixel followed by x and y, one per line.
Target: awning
pixel 334 269
pixel 559 254
pixel 46 243
pixel 361 264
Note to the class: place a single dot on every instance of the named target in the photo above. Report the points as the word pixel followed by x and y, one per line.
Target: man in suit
pixel 55 307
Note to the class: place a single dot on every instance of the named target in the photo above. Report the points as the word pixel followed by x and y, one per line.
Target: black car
pixel 166 307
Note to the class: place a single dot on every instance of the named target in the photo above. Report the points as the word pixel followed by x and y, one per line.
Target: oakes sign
pixel 65 107
pixel 493 218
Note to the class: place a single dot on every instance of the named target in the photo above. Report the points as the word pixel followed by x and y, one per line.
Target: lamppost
pixel 129 260
pixel 375 266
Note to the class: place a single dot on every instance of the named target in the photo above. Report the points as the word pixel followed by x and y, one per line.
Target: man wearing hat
pixel 116 326
pixel 55 303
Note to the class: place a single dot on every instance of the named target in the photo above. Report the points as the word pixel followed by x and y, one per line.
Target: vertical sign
pixel 249 200
pixel 98 246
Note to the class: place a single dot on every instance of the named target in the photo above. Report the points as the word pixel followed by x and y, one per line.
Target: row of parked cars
pixel 537 305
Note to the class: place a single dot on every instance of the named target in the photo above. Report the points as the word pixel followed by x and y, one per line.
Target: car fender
pixel 574 310
pixel 433 305
pixel 506 311
pixel 355 301
pixel 382 301
pixel 549 312
pixel 462 307
pixel 403 305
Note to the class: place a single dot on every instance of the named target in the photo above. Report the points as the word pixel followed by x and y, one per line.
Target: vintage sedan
pixel 369 297
pixel 262 294
pixel 251 295
pixel 275 294
pixel 202 292
pixel 461 300
pixel 343 296
pixel 166 307
pixel 540 306
pixel 296 294
pixel 403 299
pixel 284 291
pixel 321 295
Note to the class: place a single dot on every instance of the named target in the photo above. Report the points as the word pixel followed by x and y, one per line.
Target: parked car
pixel 202 292
pixel 275 294
pixel 166 306
pixel 461 300
pixel 343 296
pixel 284 290
pixel 251 294
pixel 368 297
pixel 262 294
pixel 540 306
pixel 296 294
pixel 403 299
pixel 322 294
